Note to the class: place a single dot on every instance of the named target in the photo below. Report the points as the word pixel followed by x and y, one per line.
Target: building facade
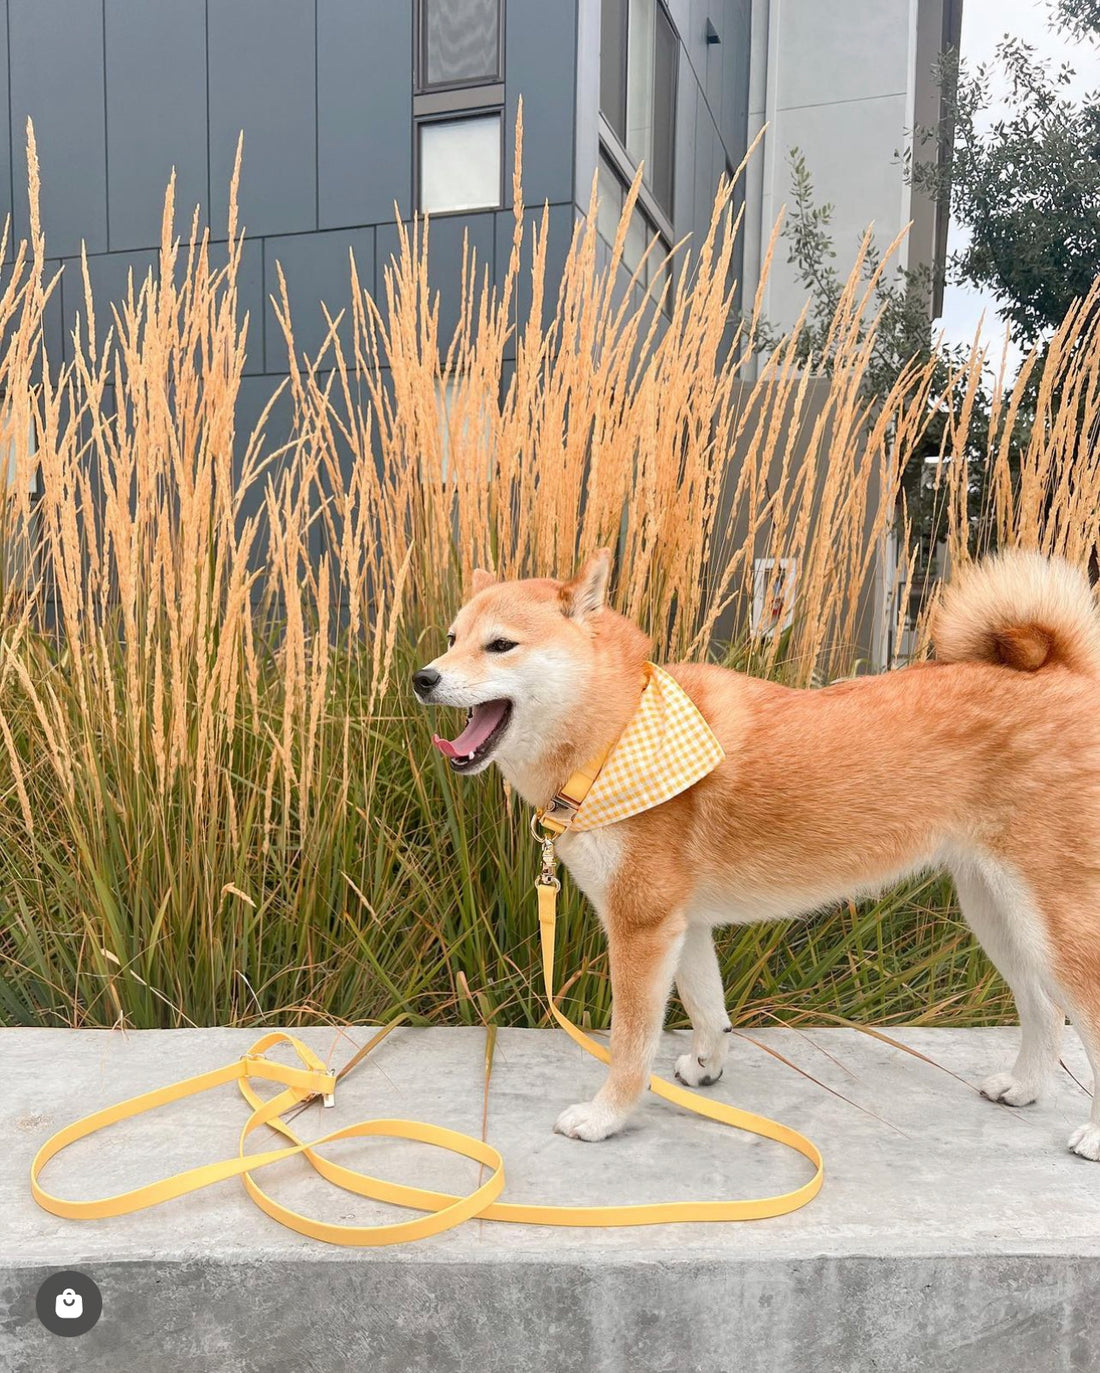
pixel 846 83
pixel 358 112
pixel 354 112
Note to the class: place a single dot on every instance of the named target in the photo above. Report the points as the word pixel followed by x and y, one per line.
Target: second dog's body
pixel 986 763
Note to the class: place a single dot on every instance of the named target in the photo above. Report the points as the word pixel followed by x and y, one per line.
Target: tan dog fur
pixel 986 762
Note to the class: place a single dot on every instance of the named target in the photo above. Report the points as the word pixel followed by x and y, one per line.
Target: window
pixel 609 207
pixel 465 424
pixel 613 65
pixel 459 42
pixel 460 164
pixel 662 131
pixel 639 61
pixel 458 110
pixel 640 232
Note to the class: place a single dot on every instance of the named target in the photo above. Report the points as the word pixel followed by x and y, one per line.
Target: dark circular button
pixel 69 1303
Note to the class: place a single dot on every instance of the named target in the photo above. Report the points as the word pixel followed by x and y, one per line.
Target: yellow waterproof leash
pixel 443 1210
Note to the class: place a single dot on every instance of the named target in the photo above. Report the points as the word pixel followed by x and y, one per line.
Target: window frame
pixel 610 140
pixel 626 169
pixel 663 13
pixel 421 84
pixel 458 117
pixel 623 66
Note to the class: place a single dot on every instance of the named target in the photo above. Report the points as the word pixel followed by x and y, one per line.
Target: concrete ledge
pixel 950 1234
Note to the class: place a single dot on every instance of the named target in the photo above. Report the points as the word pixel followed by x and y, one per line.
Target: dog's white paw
pixel 696 1072
pixel 1011 1090
pixel 1086 1141
pixel 590 1120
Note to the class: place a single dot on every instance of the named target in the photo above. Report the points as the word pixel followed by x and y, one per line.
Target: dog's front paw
pixel 1086 1141
pixel 696 1072
pixel 590 1120
pixel 1011 1090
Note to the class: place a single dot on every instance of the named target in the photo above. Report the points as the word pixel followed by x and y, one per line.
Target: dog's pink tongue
pixel 484 720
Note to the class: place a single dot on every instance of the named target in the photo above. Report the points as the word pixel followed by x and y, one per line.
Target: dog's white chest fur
pixel 593 858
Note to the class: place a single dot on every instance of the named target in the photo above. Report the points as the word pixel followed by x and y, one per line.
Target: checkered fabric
pixel 665 749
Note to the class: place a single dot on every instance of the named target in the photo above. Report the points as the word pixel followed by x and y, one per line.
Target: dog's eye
pixel 500 646
pixel 450 641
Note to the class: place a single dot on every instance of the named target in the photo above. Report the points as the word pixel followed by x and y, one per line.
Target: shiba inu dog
pixel 985 762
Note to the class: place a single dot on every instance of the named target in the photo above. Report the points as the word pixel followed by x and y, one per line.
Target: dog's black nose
pixel 425 680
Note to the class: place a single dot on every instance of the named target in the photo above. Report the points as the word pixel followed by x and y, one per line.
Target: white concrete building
pixel 845 81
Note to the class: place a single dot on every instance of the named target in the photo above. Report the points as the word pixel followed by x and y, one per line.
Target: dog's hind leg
pixel 1000 910
pixel 699 984
pixel 1078 968
pixel 1085 1140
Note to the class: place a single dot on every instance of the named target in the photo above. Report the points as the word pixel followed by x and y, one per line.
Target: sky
pixel 985 23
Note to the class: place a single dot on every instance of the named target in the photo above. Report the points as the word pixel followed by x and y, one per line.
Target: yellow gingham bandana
pixel 665 749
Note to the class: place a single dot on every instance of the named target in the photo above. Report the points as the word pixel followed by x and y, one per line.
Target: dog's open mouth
pixel 485 723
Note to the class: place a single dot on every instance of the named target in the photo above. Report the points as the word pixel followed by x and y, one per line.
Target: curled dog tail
pixel 1021 610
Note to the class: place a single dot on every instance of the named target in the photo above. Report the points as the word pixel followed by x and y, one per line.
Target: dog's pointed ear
pixel 587 592
pixel 480 579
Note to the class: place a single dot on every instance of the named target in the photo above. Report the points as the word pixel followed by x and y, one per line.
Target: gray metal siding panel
pixel 53 330
pixel 254 394
pixel 156 114
pixel 445 261
pixel 250 301
pixel 250 296
pixel 735 86
pixel 107 273
pixel 262 80
pixel 364 104
pixel 710 62
pixel 329 144
pixel 540 66
pixel 317 269
pixel 560 229
pixel 56 57
pixel 51 315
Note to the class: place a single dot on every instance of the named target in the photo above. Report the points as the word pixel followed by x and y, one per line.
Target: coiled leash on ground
pixel 443 1210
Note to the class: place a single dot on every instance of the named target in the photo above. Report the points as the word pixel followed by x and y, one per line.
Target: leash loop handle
pixel 444 1211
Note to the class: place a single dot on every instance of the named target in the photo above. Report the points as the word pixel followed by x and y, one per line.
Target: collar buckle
pixel 560 812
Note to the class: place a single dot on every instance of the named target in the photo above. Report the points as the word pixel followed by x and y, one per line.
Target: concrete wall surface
pixel 845 83
pixel 951 1233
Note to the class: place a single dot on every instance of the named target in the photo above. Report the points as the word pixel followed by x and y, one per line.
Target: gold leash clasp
pixel 548 877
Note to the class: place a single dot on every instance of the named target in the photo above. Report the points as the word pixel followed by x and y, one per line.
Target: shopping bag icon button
pixel 69 1305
